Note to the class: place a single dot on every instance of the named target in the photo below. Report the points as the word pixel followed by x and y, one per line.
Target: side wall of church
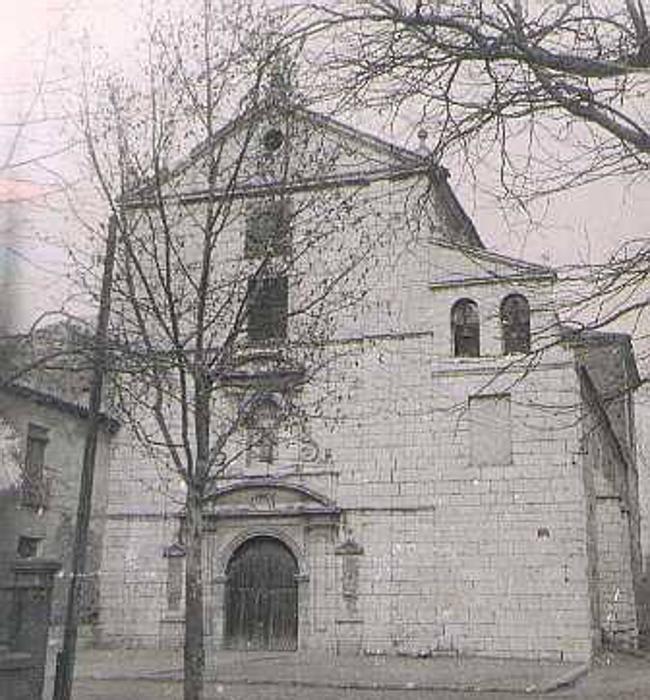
pixel 471 515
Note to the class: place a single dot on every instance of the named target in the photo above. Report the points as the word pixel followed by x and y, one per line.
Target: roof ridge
pixel 409 156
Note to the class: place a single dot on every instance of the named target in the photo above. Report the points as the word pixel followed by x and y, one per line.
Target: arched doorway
pixel 261 602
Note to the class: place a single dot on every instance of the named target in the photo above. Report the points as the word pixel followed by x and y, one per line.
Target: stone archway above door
pixel 298 519
pixel 267 498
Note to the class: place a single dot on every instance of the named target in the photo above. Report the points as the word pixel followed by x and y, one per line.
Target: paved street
pixel 153 675
pixel 151 690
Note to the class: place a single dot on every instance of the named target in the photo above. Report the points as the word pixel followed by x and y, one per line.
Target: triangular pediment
pixel 267 496
pixel 287 146
pixel 284 149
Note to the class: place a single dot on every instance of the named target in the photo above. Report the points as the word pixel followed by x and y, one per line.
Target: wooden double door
pixel 261 601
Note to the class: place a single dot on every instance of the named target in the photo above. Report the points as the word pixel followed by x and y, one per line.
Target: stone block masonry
pixel 431 499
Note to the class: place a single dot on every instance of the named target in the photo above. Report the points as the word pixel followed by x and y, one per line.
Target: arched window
pixel 465 328
pixel 515 324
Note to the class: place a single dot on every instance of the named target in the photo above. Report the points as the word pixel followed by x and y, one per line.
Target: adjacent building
pixel 42 429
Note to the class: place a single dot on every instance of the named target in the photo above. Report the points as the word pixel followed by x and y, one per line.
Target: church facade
pixel 462 477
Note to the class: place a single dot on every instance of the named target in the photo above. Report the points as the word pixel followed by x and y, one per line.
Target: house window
pixel 33 481
pixel 268 299
pixel 465 328
pixel 28 547
pixel 515 324
pixel 490 430
pixel 267 230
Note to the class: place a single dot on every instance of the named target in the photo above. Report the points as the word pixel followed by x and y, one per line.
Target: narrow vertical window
pixel 515 324
pixel 33 481
pixel 268 299
pixel 465 329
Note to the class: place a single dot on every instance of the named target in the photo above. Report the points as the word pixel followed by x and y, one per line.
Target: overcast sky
pixel 582 225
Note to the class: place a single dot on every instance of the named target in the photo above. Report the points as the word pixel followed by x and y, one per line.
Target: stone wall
pixel 462 506
pixel 456 552
pixel 477 558
pixel 141 521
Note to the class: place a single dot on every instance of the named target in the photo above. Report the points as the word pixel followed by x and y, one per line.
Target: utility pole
pixel 66 658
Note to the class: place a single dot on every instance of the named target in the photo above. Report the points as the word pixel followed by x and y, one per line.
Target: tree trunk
pixel 194 657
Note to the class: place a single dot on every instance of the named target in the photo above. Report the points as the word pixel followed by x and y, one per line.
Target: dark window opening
pixel 28 547
pixel 465 328
pixel 515 324
pixel 267 231
pixel 268 299
pixel 273 139
pixel 33 481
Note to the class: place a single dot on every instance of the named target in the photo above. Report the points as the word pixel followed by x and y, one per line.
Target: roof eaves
pixel 493 256
pixel 43 398
pixel 516 278
pixel 264 189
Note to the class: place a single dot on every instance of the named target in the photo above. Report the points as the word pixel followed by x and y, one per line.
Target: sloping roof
pixel 489 262
pixel 43 398
pixel 51 367
pixel 384 161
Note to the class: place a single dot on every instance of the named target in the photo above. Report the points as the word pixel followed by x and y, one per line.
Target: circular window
pixel 273 139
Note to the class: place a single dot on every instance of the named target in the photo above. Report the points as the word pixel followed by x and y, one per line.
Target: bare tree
pixel 231 263
pixel 549 95
pixel 520 73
